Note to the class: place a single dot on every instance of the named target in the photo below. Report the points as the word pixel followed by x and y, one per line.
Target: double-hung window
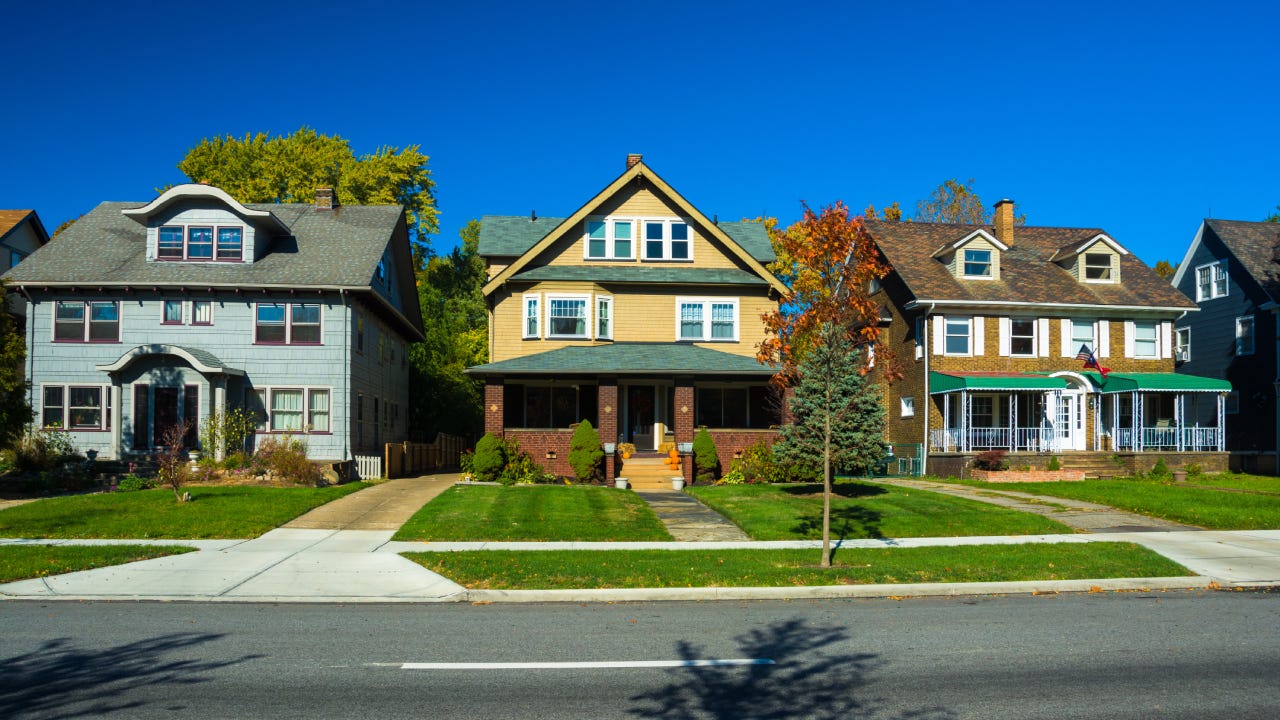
pixel 957 335
pixel 74 407
pixel 707 319
pixel 172 312
pixel 1244 335
pixel 610 239
pixel 532 316
pixel 1097 267
pixel 287 323
pixel 1022 337
pixel 294 409
pixel 667 240
pixel 1146 340
pixel 69 321
pixel 604 318
pixel 230 244
pixel 1182 344
pixel 199 243
pixel 1081 334
pixel 1211 281
pixel 567 317
pixel 201 312
pixel 172 243
pixel 977 263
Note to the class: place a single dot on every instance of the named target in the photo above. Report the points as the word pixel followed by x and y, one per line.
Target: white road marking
pixel 586 665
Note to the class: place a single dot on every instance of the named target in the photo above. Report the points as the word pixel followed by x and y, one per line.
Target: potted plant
pixel 627 450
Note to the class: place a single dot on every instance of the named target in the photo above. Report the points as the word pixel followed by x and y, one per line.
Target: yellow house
pixel 636 312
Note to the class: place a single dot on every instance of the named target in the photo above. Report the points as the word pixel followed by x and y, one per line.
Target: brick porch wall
pixel 538 442
pixel 493 390
pixel 729 442
pixel 684 424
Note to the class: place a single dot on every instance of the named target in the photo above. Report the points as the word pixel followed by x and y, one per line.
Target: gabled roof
pixel 979 233
pixel 335 249
pixel 628 358
pixel 1252 246
pixel 508 234
pixel 1078 247
pixel 11 219
pixel 1027 276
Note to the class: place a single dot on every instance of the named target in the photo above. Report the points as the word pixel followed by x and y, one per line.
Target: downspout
pixel 927 399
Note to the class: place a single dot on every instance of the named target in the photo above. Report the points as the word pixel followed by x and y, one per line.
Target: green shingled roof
pixel 512 236
pixel 642 274
pixel 628 358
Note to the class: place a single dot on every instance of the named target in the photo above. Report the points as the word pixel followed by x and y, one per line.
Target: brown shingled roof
pixel 9 219
pixel 1026 273
pixel 1253 245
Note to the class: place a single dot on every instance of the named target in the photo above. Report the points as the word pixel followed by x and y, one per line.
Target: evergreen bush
pixel 705 459
pixel 586 457
pixel 490 458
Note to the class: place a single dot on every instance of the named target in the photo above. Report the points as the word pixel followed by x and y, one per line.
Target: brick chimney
pixel 1004 221
pixel 326 199
pixel 632 159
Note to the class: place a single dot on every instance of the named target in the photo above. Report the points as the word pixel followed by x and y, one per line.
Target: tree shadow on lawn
pixel 808 677
pixel 847 523
pixel 61 679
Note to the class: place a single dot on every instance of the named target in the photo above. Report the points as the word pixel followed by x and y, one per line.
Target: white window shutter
pixel 939 334
pixel 979 337
pixel 1004 337
pixel 1065 328
pixel 1103 338
pixel 1042 336
pixel 1128 338
pixel 1166 339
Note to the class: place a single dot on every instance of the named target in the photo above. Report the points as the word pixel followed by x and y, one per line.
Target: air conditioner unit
pixel 1182 354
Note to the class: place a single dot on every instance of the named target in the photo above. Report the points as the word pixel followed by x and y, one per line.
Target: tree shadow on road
pixel 807 679
pixel 62 679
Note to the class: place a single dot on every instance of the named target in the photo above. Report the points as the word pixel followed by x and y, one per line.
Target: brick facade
pixel 540 442
pixel 607 411
pixel 731 442
pixel 493 406
pixel 684 423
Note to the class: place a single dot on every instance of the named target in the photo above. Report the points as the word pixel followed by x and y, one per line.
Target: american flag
pixel 1090 361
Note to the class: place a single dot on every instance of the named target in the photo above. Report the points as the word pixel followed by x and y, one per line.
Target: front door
pixel 164 414
pixel 1070 421
pixel 640 413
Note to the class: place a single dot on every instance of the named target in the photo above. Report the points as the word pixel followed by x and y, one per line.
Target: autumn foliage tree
pixel 827 260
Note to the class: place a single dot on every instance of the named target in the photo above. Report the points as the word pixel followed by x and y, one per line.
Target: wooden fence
pixel 405 459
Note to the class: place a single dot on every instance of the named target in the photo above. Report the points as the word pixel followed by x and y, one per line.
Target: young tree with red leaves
pixel 828 261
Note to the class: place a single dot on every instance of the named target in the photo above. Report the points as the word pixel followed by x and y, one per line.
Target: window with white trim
pixel 957 336
pixel 1146 340
pixel 292 409
pixel 667 240
pixel 1211 281
pixel 567 317
pixel 977 263
pixel 920 337
pixel 532 316
pixel 604 318
pixel 1244 335
pixel 1097 267
pixel 1082 333
pixel 1022 337
pixel 86 321
pixel 75 407
pixel 1182 344
pixel 707 319
pixel 908 407
pixel 201 312
pixel 609 239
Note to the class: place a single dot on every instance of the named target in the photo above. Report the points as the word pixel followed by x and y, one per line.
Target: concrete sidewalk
pixel 342 552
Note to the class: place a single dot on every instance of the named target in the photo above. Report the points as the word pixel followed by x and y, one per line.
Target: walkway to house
pixel 385 506
pixel 689 520
pixel 1076 514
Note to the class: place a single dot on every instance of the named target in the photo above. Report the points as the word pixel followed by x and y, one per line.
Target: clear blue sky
pixel 1137 118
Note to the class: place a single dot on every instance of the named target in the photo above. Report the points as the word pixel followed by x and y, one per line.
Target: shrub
pixel 39 450
pixel 991 460
pixel 489 459
pixel 1193 469
pixel 1053 464
pixel 705 460
pixel 173 458
pixel 466 461
pixel 733 477
pixel 285 457
pixel 133 483
pixel 1160 470
pixel 759 464
pixel 227 431
pixel 586 457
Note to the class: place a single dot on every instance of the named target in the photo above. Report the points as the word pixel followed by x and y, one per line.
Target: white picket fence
pixel 368 467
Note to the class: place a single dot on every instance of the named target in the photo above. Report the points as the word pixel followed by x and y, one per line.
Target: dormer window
pixel 197 242
pixel 977 263
pixel 1097 267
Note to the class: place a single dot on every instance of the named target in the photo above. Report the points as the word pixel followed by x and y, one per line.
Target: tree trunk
pixel 826 479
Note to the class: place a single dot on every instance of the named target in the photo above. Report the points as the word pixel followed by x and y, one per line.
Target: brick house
pixel 988 323
pixel 636 312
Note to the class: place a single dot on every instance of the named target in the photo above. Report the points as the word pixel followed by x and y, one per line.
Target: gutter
pixel 996 304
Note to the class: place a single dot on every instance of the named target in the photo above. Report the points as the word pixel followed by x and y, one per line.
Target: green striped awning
pixel 940 383
pixel 1156 382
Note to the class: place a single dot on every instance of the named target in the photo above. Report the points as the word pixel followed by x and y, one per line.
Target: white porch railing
pixel 1036 439
pixel 1194 439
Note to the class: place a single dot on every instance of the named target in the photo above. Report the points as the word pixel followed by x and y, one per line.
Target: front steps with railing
pixel 647 473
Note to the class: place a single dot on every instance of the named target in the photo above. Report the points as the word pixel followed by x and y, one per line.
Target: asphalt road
pixel 1127 655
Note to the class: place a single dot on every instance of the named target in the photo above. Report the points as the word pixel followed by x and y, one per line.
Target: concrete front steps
pixel 647 473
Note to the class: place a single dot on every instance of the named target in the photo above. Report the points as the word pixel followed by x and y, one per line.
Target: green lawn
pixel 31 561
pixel 534 513
pixel 1199 506
pixel 512 570
pixel 214 512
pixel 1238 481
pixel 862 510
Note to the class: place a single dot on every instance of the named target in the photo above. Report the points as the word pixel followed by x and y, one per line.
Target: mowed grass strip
pixel 1199 506
pixel 214 512
pixel 1238 481
pixel 862 510
pixel 534 513
pixel 568 569
pixel 33 561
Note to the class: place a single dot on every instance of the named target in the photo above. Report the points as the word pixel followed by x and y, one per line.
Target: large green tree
pixel 288 168
pixel 15 411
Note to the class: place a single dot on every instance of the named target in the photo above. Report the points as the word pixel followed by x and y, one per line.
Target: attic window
pixel 1097 267
pixel 977 263
pixel 178 242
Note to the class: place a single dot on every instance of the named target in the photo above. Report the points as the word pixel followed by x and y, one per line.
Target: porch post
pixel 607 414
pixel 964 421
pixel 684 423
pixel 1138 407
pixel 1115 422
pixel 946 421
pixel 1222 419
pixel 1179 411
pixel 116 416
pixel 493 409
pixel 1013 423
pixel 219 383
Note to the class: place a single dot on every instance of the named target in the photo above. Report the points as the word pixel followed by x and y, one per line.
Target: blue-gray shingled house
pixel 146 315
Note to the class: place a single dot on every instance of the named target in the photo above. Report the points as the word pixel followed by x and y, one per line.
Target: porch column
pixel 1179 411
pixel 1222 419
pixel 1138 407
pixel 116 420
pixel 1013 425
pixel 964 421
pixel 946 422
pixel 493 409
pixel 684 423
pixel 607 404
pixel 1115 422
pixel 220 407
